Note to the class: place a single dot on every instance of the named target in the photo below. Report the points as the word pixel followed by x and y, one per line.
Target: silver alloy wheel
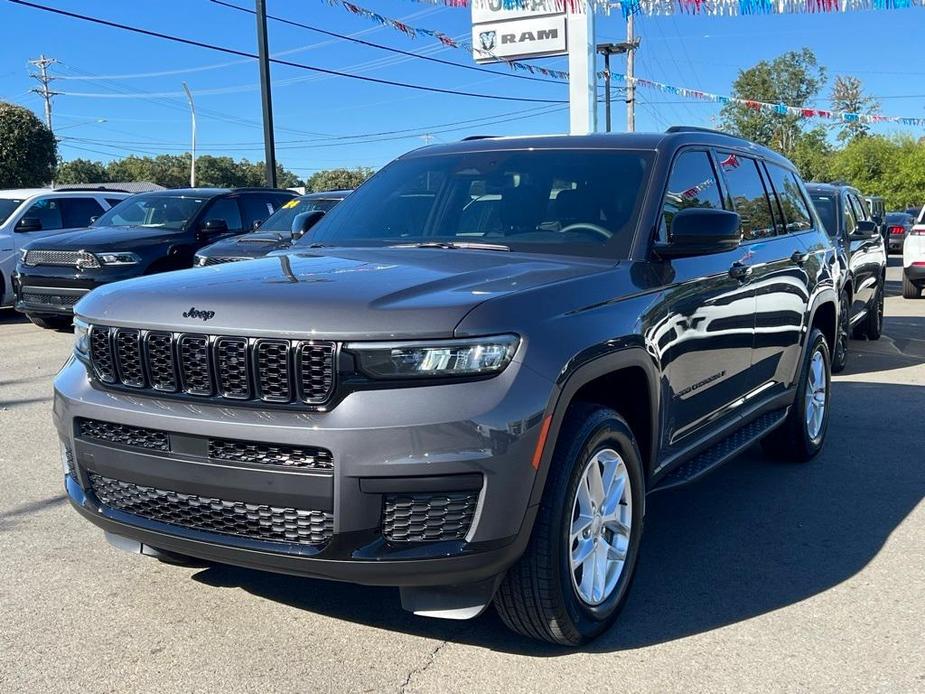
pixel 599 535
pixel 815 395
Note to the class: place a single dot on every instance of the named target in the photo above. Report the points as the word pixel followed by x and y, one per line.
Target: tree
pixel 812 155
pixel 81 171
pixel 791 79
pixel 338 179
pixel 848 96
pixel 28 150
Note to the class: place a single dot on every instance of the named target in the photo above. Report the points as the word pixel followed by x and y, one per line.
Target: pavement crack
pixel 422 668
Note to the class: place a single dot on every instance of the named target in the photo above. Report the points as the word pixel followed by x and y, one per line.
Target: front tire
pixel 872 327
pixel 802 434
pixel 573 579
pixel 910 290
pixel 840 354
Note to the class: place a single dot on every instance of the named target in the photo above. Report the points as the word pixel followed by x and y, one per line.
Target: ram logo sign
pixel 519 38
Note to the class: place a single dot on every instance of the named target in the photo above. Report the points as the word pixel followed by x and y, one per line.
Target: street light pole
pixel 264 63
pixel 607 50
pixel 192 110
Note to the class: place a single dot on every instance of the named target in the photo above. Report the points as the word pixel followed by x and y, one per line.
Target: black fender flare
pixel 826 295
pixel 571 382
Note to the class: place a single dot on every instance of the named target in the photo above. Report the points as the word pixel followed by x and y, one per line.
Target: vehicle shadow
pixel 10 316
pixel 894 287
pixel 902 346
pixel 755 536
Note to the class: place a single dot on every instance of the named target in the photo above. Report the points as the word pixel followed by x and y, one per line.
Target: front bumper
pixel 477 436
pixel 55 289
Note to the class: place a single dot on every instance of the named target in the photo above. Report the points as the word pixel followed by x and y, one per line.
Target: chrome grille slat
pixel 217 367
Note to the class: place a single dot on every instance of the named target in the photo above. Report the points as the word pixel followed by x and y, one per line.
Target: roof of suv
pixel 23 193
pixel 831 188
pixel 212 192
pixel 674 137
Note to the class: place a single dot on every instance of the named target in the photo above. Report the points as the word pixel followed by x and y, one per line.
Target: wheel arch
pixel 824 315
pixel 594 381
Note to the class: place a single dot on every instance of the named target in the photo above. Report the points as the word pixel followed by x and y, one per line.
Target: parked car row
pixel 70 242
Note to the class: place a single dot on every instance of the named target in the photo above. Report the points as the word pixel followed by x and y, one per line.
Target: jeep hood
pixel 331 293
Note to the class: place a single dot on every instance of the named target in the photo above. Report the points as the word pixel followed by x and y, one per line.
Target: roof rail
pixel 478 137
pixel 698 129
pixel 68 189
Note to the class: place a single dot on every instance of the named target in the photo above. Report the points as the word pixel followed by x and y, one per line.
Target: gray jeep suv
pixel 465 382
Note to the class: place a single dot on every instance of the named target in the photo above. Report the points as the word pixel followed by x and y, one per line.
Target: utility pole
pixel 192 111
pixel 607 50
pixel 631 74
pixel 43 63
pixel 264 63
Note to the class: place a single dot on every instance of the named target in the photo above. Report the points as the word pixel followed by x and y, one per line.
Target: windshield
pixel 547 201
pixel 155 211
pixel 8 207
pixel 287 218
pixel 825 206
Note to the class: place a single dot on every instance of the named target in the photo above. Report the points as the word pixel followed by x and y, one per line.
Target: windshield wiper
pixel 464 245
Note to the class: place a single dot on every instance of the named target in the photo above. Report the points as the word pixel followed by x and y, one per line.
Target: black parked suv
pixel 289 223
pixel 862 261
pixel 143 235
pixel 467 380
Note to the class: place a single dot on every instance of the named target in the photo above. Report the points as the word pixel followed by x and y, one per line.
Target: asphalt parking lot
pixel 763 576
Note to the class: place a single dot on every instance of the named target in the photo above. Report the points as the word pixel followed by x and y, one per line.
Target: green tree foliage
pixel 173 171
pixel 792 79
pixel 812 155
pixel 848 96
pixel 81 171
pixel 28 151
pixel 893 167
pixel 338 179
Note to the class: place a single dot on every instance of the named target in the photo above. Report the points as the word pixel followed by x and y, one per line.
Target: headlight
pixel 450 358
pixel 123 258
pixel 81 339
pixel 199 260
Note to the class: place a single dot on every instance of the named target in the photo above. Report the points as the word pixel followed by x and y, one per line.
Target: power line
pixel 326 32
pixel 43 63
pixel 302 66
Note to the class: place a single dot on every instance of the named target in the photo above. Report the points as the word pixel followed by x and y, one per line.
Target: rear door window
pixel 749 197
pixel 77 212
pixel 692 183
pixel 790 198
pixel 257 208
pixel 226 209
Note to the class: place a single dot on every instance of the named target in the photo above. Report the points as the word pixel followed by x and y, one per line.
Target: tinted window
pixel 77 212
pixel 748 196
pixel 825 207
pixel 227 209
pixel 851 217
pixel 692 184
pixel 257 208
pixel 172 212
pixel 539 201
pixel 796 213
pixel 291 212
pixel 114 201
pixel 7 207
pixel 48 212
pixel 861 210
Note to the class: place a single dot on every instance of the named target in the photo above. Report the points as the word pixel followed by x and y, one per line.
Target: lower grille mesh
pixel 122 434
pixel 428 517
pixel 51 299
pixel 255 521
pixel 270 454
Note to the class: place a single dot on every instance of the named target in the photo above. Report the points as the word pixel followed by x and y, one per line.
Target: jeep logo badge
pixel 197 313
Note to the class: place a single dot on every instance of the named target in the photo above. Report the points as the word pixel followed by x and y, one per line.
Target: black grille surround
pixel 221 516
pixel 271 454
pixel 123 434
pixel 220 368
pixel 429 516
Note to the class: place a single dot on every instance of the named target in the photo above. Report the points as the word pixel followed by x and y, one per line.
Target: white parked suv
pixel 27 214
pixel 914 259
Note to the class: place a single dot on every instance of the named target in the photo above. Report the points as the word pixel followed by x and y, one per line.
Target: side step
pixel 722 450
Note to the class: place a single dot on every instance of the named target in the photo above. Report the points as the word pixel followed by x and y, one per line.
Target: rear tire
pixel 910 290
pixel 802 436
pixel 51 322
pixel 541 596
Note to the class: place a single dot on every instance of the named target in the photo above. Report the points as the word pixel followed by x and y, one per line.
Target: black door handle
pixel 740 271
pixel 799 257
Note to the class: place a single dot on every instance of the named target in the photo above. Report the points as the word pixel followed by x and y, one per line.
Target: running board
pixel 722 451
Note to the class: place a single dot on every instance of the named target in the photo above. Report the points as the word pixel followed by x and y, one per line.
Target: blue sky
pixel 135 112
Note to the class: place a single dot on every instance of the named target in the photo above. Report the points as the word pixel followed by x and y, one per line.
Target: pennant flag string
pixel 718 8
pixel 782 109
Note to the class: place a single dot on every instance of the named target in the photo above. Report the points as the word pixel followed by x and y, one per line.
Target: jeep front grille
pixel 136 437
pixel 217 367
pixel 428 517
pixel 255 521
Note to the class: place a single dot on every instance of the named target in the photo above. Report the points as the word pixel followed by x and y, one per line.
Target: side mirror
pixel 215 226
pixel 304 222
pixel 93 220
pixel 866 229
pixel 701 231
pixel 29 224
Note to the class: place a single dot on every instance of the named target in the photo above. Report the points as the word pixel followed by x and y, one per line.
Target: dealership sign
pixel 506 34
